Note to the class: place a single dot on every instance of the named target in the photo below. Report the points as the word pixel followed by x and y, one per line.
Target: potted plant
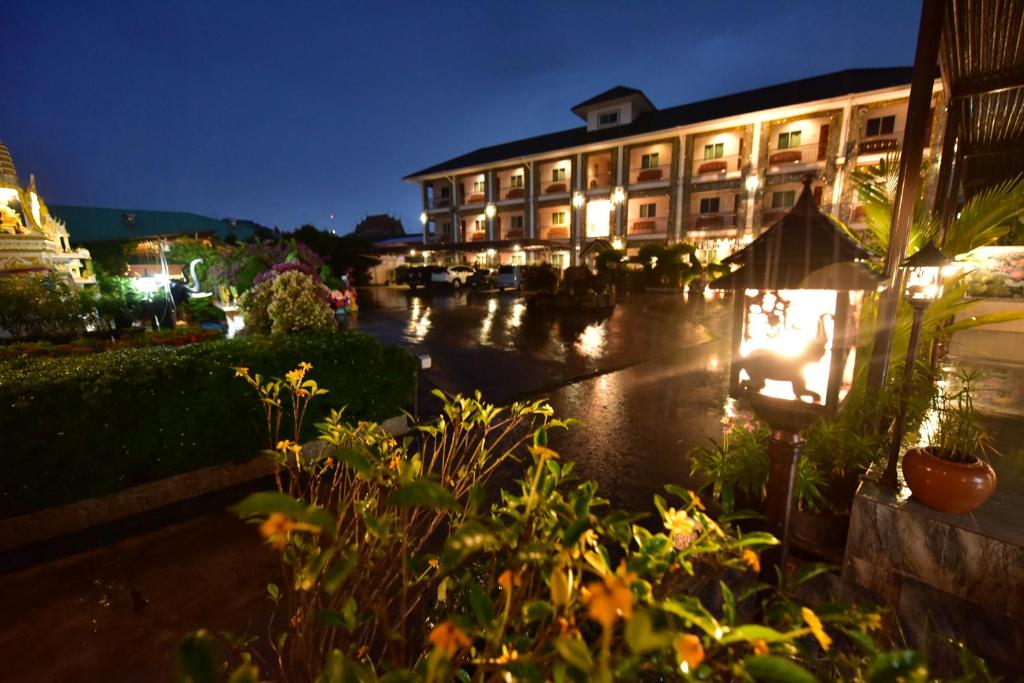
pixel 950 474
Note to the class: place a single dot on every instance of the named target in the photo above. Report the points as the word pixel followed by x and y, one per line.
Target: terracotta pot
pixel 945 485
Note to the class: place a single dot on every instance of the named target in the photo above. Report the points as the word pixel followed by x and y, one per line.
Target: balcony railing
pixel 554 232
pixel 476 236
pixel 719 166
pixel 880 144
pixel 556 186
pixel 711 221
pixel 512 233
pixel 793 156
pixel 647 226
pixel 472 197
pixel 434 203
pixel 599 181
pixel 652 174
pixel 511 192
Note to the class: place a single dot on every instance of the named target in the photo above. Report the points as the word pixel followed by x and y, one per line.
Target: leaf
pixel 751 632
pixel 574 531
pixel 772 669
pixel 575 652
pixel 340 669
pixel 354 459
pixel 245 673
pixel 196 662
pixel 809 570
pixel 423 493
pixel 273 591
pixel 331 618
pixel 339 570
pixel 267 503
pixel 470 538
pixel 642 636
pixel 480 604
pixel 898 665
pixel 692 610
pixel 537 610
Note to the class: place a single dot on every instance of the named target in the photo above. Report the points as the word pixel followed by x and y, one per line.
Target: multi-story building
pixel 711 173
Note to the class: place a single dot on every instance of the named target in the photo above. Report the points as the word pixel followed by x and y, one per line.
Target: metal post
pixel 889 477
pixel 783 454
pixel 921 86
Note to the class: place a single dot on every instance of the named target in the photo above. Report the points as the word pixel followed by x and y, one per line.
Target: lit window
pixel 558 218
pixel 478 225
pixel 649 160
pixel 557 174
pixel 516 180
pixel 609 118
pixel 882 125
pixel 516 222
pixel 783 200
pixel 709 204
pixel 478 186
pixel 789 140
pixel 715 151
pixel 648 210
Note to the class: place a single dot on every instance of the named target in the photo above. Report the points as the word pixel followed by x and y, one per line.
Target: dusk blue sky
pixel 286 112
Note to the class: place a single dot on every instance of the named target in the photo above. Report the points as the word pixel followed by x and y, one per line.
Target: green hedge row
pixel 78 427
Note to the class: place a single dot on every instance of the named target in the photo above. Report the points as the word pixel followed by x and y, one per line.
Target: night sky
pixel 286 112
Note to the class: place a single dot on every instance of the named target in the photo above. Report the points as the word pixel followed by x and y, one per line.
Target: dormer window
pixel 608 118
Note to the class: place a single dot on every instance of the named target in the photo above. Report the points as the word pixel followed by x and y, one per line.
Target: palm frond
pixel 983 220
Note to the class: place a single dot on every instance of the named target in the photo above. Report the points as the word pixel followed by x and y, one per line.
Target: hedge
pixel 83 426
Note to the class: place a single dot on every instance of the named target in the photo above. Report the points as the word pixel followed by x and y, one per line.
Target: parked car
pixel 418 276
pixel 456 276
pixel 510 277
pixel 483 278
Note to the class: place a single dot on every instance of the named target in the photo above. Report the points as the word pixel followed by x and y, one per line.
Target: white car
pixel 509 277
pixel 456 276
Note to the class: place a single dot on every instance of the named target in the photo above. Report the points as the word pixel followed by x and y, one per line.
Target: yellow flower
pixel 434 564
pixel 395 463
pixel 285 446
pixel 588 538
pixel 873 621
pixel 816 628
pixel 760 647
pixel 697 503
pixel 678 522
pixel 509 579
pixel 751 558
pixel 506 656
pixel 690 651
pixel 449 638
pixel 275 529
pixel 544 453
pixel 610 599
pixel 306 366
pixel 294 376
pixel 241 372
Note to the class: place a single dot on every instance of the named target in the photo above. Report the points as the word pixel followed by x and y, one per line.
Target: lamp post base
pixel 783 454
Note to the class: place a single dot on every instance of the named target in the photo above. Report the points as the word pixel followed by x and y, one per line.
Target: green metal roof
pixel 89 224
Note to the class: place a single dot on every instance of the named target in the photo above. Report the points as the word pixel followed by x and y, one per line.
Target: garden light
pixel 617 244
pixel 797 302
pixel 924 275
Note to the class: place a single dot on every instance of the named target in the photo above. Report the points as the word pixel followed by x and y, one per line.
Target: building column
pixel 530 205
pixel 756 163
pixel 426 210
pixel 680 182
pixel 578 228
pixel 489 194
pixel 620 220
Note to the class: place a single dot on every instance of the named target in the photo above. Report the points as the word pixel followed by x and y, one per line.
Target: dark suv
pixel 418 276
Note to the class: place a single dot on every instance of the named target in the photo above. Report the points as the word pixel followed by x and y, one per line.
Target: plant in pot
pixel 950 473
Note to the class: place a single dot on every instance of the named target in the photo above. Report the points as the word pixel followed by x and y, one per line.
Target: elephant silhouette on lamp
pixel 762 365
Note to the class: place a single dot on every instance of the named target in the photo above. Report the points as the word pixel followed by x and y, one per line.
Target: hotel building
pixel 711 173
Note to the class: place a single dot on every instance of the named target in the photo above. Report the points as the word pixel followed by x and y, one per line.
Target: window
pixel 783 200
pixel 478 186
pixel 608 118
pixel 882 125
pixel 558 218
pixel 649 160
pixel 789 140
pixel 710 204
pixel 516 222
pixel 446 192
pixel 648 210
pixel 715 151
pixel 516 180
pixel 446 228
pixel 478 225
pixel 557 174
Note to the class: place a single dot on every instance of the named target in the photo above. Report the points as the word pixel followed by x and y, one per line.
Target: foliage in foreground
pixel 81 426
pixel 396 568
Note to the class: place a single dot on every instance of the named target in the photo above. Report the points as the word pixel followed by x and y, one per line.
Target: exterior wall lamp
pixel 490 210
pixel 577 199
pixel 618 195
pixel 797 296
pixel 423 217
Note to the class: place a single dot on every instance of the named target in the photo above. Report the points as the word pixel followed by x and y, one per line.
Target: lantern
pixel 922 285
pixel 798 292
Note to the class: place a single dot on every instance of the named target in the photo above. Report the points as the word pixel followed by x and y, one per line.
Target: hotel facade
pixel 712 173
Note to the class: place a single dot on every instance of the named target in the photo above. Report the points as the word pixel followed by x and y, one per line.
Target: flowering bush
pixel 396 568
pixel 174 337
pixel 290 302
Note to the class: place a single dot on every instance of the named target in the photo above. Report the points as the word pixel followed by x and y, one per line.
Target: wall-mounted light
pixel 491 252
pixel 412 252
pixel 516 247
pixel 423 217
pixel 577 199
pixel 490 210
pixel 752 183
pixel 618 196
pixel 617 244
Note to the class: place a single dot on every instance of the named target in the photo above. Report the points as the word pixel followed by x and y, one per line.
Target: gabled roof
pixel 619 92
pixel 821 87
pixel 805 249
pixel 91 224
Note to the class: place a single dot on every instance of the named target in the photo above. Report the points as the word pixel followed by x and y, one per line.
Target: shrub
pixel 77 427
pixel 42 306
pixel 394 566
pixel 291 300
pixel 540 278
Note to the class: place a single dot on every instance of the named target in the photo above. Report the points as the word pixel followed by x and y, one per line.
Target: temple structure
pixel 31 240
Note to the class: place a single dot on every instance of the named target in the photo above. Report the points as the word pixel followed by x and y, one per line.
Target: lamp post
pixel 923 285
pixel 797 301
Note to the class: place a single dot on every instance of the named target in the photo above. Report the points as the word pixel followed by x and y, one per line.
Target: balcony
pixel 556 186
pixel 638 227
pixel 652 174
pixel 881 144
pixel 717 167
pixel 711 221
pixel 474 197
pixel 798 156
pixel 554 232
pixel 476 235
pixel 438 203
pixel 511 193
pixel 599 181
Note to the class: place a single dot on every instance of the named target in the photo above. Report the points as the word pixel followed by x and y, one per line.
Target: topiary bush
pixel 289 299
pixel 81 426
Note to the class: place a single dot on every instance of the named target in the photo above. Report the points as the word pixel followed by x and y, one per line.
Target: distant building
pixel 379 227
pixel 91 224
pixel 31 239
